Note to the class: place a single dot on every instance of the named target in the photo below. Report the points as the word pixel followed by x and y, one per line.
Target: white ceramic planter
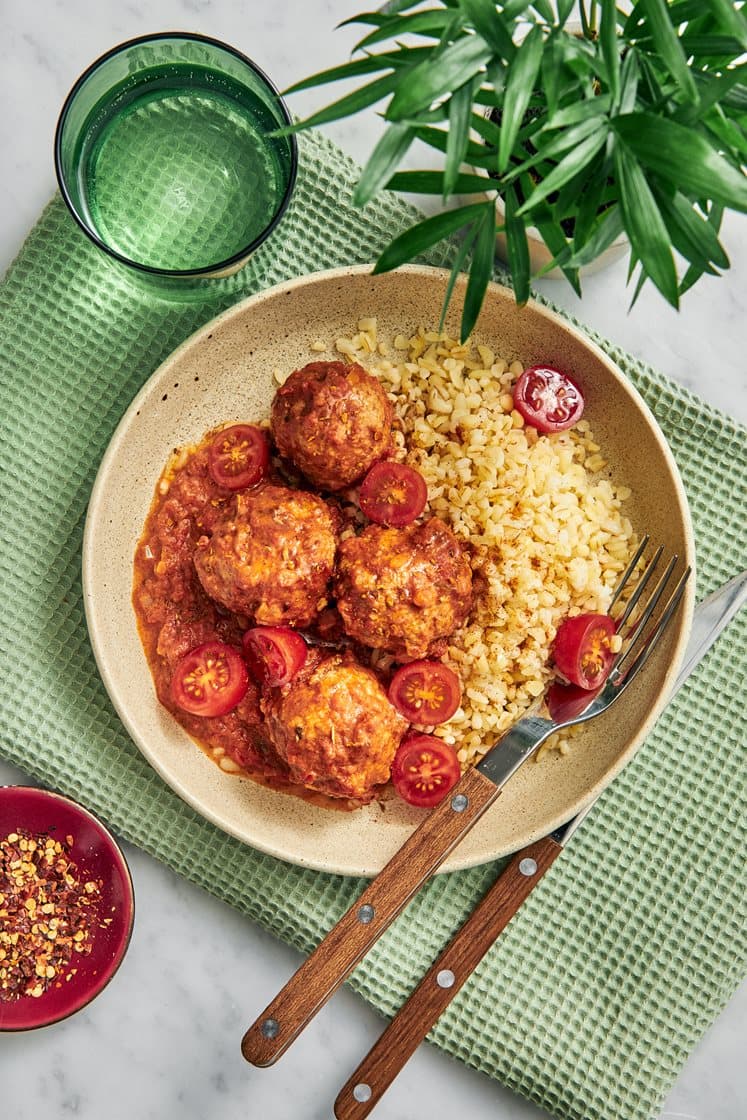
pixel 540 256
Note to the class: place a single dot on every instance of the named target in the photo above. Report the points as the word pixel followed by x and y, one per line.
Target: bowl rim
pixel 286 287
pixel 120 862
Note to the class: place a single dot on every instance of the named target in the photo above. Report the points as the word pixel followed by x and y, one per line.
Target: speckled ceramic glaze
pixel 225 373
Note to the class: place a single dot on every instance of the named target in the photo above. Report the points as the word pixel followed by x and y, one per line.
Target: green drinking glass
pixel 166 155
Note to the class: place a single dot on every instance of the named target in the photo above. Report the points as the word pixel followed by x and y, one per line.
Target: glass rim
pixel 204 270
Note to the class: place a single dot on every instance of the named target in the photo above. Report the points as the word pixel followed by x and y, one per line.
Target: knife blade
pixel 513 886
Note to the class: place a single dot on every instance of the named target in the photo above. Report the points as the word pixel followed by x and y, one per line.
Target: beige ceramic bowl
pixel 224 373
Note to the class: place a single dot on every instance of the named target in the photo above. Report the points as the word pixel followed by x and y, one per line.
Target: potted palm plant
pixel 630 124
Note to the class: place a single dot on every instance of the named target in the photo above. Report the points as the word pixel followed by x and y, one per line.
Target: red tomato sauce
pixel 174 615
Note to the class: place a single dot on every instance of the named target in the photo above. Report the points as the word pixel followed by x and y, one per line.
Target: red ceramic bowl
pixel 97 856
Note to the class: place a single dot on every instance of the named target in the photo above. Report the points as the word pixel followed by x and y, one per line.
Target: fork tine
pixel 648 571
pixel 628 573
pixel 650 606
pixel 643 651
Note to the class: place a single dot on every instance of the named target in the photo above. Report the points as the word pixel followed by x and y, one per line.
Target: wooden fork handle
pixel 438 987
pixel 322 973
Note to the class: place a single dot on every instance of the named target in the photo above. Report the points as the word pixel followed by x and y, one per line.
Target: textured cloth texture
pixel 593 997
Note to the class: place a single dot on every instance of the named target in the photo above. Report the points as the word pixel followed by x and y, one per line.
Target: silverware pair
pixel 328 966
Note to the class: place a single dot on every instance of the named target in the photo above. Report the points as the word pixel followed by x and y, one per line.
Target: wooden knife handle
pixel 322 973
pixel 443 980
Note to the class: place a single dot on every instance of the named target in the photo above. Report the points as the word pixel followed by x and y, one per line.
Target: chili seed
pixel 47 913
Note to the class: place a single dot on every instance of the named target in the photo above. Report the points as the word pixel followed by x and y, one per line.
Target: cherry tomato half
pixel 274 654
pixel 582 649
pixel 393 494
pixel 239 456
pixel 426 692
pixel 566 702
pixel 210 680
pixel 547 399
pixel 424 770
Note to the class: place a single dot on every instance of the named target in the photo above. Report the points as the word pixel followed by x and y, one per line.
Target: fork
pixel 428 846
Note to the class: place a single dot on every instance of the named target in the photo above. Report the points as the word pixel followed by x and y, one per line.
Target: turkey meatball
pixel 333 421
pixel 402 590
pixel 271 556
pixel 334 727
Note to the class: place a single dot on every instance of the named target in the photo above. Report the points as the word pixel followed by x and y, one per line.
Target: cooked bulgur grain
pixel 547 534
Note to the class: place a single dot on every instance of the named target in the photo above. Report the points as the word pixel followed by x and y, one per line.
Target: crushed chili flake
pixel 47 913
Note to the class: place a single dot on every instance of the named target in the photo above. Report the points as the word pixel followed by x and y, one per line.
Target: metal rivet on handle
pixel 445 978
pixel 459 803
pixel 362 1092
pixel 270 1028
pixel 528 866
pixel 366 914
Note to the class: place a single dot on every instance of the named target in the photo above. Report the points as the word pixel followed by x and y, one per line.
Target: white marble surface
pixel 162 1040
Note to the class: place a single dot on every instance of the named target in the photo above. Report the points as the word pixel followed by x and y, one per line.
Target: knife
pixel 467 948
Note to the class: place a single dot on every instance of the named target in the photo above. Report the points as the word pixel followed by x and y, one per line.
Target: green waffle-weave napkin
pixel 592 999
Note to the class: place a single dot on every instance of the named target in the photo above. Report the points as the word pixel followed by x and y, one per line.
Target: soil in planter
pixel 568 225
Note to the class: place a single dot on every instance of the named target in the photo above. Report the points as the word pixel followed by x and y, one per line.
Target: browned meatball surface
pixel 271 556
pixel 333 421
pixel 403 589
pixel 334 727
